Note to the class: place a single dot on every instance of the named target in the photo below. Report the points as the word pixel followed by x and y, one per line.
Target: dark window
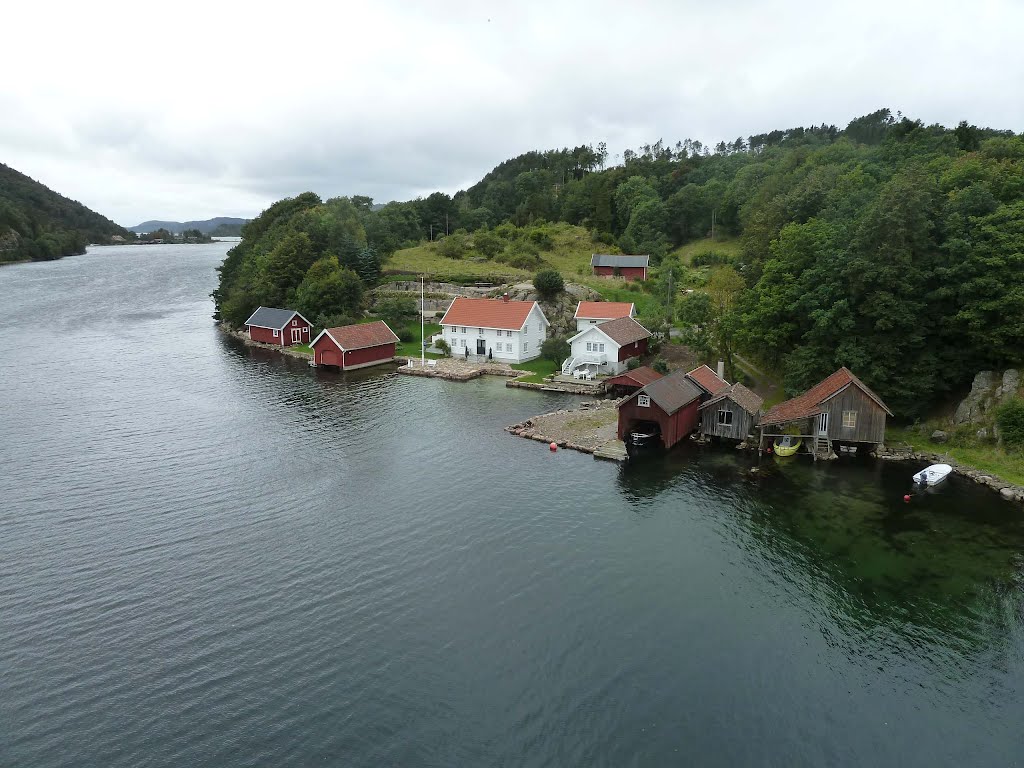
pixel 725 418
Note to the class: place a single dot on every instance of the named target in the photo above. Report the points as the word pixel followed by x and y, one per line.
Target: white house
pixel 590 313
pixel 504 330
pixel 606 348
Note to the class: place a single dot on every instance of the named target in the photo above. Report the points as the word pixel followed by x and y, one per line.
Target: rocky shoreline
pixel 589 428
pixel 1006 490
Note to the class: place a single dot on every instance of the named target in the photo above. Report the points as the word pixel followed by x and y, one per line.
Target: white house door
pixel 823 424
pixel 296 335
pixel 481 346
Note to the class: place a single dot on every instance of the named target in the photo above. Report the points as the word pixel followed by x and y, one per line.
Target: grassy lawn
pixel 303 348
pixel 539 369
pixel 412 348
pixel 730 246
pixel 987 458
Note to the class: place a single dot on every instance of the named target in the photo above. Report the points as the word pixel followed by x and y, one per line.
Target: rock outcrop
pixel 988 392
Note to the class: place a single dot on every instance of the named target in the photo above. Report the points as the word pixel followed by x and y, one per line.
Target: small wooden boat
pixel 933 475
pixel 787 445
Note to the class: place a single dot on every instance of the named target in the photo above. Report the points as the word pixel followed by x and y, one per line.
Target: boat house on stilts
pixel 838 412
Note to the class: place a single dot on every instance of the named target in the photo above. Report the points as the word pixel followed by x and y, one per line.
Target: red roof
pixel 488 313
pixel 809 403
pixel 639 377
pixel 603 310
pixel 707 380
pixel 360 336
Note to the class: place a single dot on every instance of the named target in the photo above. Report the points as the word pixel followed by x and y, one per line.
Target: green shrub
pixel 396 310
pixel 1010 421
pixel 548 283
pixel 444 346
pixel 487 242
pixel 632 363
pixel 660 365
pixel 710 258
pixel 454 246
pixel 540 237
pixel 405 334
pixel 555 349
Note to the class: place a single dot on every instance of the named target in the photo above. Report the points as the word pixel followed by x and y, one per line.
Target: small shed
pixel 283 327
pixel 615 265
pixel 732 413
pixel 354 346
pixel 841 410
pixel 629 382
pixel 668 404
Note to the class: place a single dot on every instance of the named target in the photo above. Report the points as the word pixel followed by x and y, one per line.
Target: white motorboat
pixel 933 475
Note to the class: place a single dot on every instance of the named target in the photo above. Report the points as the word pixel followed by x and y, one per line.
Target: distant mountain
pixel 222 226
pixel 39 224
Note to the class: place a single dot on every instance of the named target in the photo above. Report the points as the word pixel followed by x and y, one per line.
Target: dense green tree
pixel 548 283
pixel 329 289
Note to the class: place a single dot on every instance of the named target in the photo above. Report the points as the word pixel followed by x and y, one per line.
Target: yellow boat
pixel 787 446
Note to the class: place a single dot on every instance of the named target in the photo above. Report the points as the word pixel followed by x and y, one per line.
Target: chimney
pixel 505 298
pixel 721 369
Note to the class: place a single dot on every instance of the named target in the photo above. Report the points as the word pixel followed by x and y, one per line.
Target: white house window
pixel 849 419
pixel 525 345
pixel 480 332
pixel 462 342
pixel 275 334
pixel 643 401
pixel 725 418
pixel 600 347
pixel 463 330
pixel 589 345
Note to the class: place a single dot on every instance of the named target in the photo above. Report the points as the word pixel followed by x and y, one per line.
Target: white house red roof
pixel 488 313
pixel 359 336
pixel 603 310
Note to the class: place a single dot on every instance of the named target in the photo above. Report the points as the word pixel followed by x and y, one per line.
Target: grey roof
pixel 743 397
pixel 672 391
pixel 267 317
pixel 613 260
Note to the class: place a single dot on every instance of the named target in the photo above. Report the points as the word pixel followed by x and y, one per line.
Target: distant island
pixel 38 224
pixel 219 226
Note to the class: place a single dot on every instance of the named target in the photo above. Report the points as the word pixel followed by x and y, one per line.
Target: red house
pixel 667 407
pixel 355 346
pixel 612 265
pixel 278 326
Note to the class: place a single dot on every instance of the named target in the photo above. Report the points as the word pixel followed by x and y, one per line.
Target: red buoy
pixel 554 446
pixel 907 498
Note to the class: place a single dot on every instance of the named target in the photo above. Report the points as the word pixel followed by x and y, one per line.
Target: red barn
pixel 666 407
pixel 355 346
pixel 278 326
pixel 612 265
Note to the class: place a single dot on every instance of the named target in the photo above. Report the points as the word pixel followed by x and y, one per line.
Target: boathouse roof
pixel 489 313
pixel 743 397
pixel 360 336
pixel 638 377
pixel 616 260
pixel 275 319
pixel 810 402
pixel 708 380
pixel 603 310
pixel 672 392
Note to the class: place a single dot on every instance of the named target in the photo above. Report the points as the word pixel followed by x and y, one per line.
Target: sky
pixel 191 110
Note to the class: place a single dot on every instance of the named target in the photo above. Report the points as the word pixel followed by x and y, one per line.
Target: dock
pixel 590 428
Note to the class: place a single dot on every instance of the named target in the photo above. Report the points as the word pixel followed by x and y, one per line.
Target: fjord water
pixel 217 556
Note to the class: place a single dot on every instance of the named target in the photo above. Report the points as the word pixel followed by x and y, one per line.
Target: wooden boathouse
pixel 733 413
pixel 839 411
pixel 668 405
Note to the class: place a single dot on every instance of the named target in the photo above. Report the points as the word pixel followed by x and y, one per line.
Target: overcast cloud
pixel 190 110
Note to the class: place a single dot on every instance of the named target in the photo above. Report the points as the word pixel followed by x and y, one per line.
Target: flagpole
pixel 423 341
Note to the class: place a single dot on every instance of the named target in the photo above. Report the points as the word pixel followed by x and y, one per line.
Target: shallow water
pixel 211 555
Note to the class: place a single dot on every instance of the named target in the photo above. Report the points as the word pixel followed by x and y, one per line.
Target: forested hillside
pixel 39 224
pixel 890 246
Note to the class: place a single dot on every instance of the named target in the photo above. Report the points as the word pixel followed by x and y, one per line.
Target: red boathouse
pixel 669 404
pixel 283 327
pixel 355 346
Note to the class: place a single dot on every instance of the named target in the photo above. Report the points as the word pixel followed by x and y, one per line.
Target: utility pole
pixel 446 225
pixel 712 223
